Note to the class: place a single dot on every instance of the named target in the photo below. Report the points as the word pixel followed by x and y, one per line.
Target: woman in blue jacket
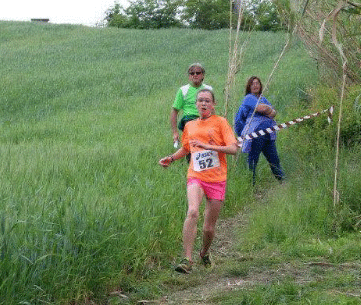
pixel 256 113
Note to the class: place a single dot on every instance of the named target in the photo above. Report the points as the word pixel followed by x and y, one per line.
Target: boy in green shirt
pixel 185 100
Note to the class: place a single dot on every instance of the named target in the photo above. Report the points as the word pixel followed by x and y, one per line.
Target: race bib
pixel 205 159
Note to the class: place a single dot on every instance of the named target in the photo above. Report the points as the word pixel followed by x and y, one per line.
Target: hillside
pixel 86 210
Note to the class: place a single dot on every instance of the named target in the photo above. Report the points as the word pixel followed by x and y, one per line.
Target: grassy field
pixel 84 207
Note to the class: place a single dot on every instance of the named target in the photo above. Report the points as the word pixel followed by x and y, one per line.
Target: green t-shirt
pixel 185 99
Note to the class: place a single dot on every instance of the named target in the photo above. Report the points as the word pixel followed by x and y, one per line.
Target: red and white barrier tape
pixel 269 130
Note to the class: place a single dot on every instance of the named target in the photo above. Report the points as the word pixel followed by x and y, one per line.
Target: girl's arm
pixel 179 154
pixel 230 149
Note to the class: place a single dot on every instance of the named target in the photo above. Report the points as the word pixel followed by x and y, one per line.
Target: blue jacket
pixel 243 124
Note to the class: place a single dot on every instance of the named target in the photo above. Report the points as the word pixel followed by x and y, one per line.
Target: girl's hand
pixel 165 162
pixel 199 144
pixel 240 142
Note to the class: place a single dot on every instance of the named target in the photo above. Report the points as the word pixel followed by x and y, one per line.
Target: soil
pixel 222 249
pixel 206 284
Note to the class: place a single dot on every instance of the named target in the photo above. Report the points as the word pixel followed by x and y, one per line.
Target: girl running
pixel 209 139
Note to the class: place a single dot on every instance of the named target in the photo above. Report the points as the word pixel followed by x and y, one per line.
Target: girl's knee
pixel 208 230
pixel 193 214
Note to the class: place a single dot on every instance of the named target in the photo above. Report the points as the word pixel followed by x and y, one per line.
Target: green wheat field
pixel 85 208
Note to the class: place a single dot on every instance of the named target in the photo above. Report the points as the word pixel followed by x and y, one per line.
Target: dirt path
pixel 202 284
pixel 212 282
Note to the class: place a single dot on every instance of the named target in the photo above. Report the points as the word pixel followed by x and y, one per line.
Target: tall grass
pixel 296 214
pixel 85 209
pixel 325 27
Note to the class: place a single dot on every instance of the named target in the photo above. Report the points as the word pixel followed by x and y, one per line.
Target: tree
pixel 116 17
pixel 265 14
pixel 145 14
pixel 259 15
pixel 206 14
pixel 201 14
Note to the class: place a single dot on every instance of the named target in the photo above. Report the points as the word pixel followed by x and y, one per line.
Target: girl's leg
pixel 211 214
pixel 195 195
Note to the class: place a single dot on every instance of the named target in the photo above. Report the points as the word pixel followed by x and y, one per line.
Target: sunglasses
pixel 195 73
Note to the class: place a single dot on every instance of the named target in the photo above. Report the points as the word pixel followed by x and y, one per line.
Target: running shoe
pixel 206 261
pixel 185 266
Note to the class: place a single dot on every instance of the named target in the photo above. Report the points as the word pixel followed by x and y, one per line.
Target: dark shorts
pixel 186 119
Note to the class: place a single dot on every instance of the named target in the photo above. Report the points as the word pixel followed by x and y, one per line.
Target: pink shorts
pixel 212 190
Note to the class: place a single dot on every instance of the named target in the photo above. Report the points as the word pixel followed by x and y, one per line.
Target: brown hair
pixel 249 84
pixel 206 90
pixel 196 65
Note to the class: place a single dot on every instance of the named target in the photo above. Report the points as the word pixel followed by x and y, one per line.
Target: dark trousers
pixel 268 147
